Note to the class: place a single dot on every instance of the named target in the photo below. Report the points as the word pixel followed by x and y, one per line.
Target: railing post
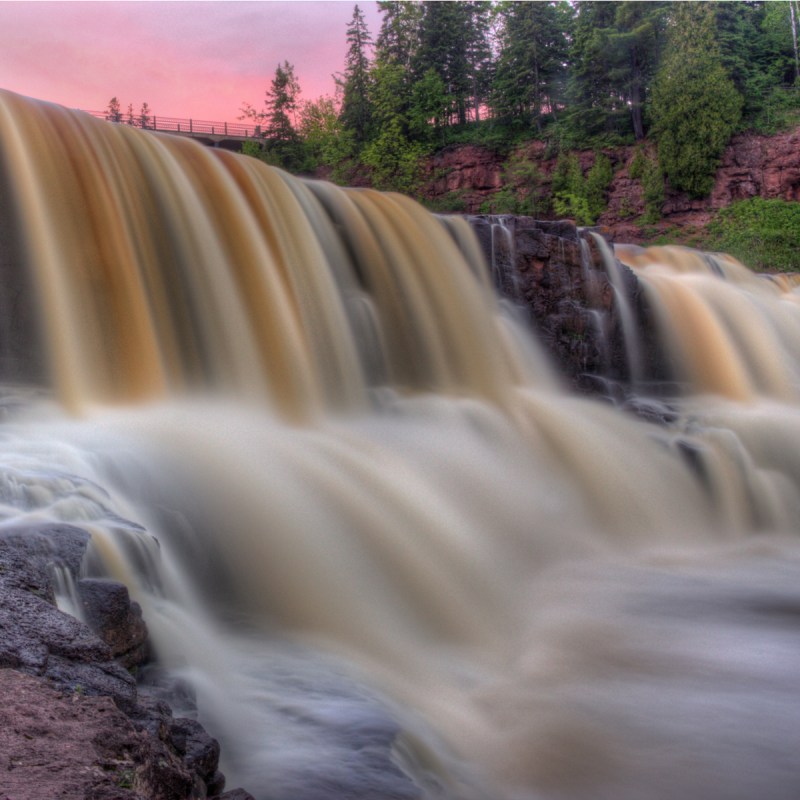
pixel 190 126
pixel 155 124
pixel 226 128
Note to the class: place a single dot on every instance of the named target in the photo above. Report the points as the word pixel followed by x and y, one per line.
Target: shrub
pixel 764 234
pixel 582 199
pixel 522 189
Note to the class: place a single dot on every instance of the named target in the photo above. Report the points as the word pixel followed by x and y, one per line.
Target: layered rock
pixel 752 165
pixel 555 273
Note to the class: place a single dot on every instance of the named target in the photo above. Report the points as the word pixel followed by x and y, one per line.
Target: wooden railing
pixel 188 127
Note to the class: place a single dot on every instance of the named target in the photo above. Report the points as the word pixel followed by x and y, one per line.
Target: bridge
pixel 229 135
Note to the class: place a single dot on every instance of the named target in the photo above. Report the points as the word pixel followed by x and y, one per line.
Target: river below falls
pixel 417 603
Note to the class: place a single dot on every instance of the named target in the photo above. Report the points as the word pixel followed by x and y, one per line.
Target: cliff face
pixel 556 277
pixel 752 166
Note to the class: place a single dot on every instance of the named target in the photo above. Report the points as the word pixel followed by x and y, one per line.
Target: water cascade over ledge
pixel 392 555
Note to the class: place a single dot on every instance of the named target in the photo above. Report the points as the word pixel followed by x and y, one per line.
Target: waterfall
pixel 391 554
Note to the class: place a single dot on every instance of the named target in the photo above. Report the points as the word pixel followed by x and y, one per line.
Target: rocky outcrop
pixel 556 275
pixel 759 166
pixel 73 722
pixel 571 290
pixel 468 174
pixel 753 165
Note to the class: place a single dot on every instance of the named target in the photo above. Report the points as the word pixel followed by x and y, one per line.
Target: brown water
pixel 396 559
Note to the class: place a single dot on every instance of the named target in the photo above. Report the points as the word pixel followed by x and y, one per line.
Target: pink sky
pixel 185 59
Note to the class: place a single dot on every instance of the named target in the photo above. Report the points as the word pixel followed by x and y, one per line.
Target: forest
pixel 685 76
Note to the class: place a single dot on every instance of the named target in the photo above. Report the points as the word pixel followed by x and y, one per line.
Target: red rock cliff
pixel 752 165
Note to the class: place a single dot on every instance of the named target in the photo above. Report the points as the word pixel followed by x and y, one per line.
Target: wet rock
pixel 199 751
pixel 109 612
pixel 555 274
pixel 72 721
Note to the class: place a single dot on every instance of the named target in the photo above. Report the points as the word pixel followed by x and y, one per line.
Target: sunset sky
pixel 186 59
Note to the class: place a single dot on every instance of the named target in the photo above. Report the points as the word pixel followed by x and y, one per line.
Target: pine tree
pixel 399 36
pixel 612 61
pixel 283 146
pixel 633 44
pixel 530 64
pixel 281 105
pixel 695 107
pixel 356 108
pixel 444 33
pixel 113 112
pixel 480 58
pixel 144 116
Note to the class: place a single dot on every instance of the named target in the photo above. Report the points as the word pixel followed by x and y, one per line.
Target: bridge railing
pixel 191 127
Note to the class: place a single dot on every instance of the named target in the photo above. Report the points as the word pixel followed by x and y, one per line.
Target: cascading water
pixel 392 557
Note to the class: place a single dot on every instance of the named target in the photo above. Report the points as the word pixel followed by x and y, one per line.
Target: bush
pixel 764 234
pixel 579 198
pixel 522 191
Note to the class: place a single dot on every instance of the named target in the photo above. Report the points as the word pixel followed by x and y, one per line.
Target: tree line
pixel 683 76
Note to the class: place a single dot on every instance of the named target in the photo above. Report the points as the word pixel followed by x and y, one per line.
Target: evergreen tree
pixel 393 158
pixel 131 119
pixel 695 104
pixel 592 107
pixel 531 61
pixel 399 36
pixel 444 34
pixel 282 145
pixel 356 109
pixel 144 116
pixel 113 112
pixel 614 55
pixel 634 52
pixel 480 58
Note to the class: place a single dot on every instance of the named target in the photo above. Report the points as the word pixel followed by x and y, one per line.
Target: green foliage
pixel 636 169
pixel 356 108
pixel 695 107
pixel 531 64
pixel 450 203
pixel 326 143
pixel 779 110
pixel 428 110
pixel 646 168
pixel 579 198
pixel 653 190
pixel 522 191
pixel 597 182
pixel 764 234
pixel 395 162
